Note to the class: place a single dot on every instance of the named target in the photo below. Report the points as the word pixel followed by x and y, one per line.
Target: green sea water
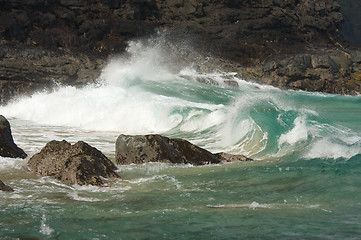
pixel 304 182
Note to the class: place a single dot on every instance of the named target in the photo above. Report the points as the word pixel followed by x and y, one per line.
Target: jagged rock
pixel 73 164
pixel 328 70
pixel 156 148
pixel 7 146
pixel 5 188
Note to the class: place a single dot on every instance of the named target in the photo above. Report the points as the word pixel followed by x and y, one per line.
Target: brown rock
pixel 226 157
pixel 156 148
pixel 7 146
pixel 5 188
pixel 73 164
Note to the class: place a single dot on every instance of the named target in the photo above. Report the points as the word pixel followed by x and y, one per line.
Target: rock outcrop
pixel 352 24
pixel 326 71
pixel 73 164
pixel 7 146
pixel 251 28
pixel 25 70
pixel 156 148
pixel 5 188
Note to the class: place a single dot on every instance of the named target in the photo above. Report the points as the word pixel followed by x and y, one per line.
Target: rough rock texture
pixel 5 188
pixel 73 164
pixel 24 70
pixel 226 157
pixel 156 148
pixel 7 146
pixel 67 41
pixel 327 71
pixel 351 27
pixel 251 28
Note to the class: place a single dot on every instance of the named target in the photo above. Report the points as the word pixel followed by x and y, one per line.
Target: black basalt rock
pixel 7 146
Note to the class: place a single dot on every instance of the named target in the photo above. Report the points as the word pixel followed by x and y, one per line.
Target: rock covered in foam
pixel 156 148
pixel 73 164
pixel 5 188
pixel 7 146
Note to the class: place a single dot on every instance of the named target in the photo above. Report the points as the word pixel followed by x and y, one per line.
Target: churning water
pixel 305 183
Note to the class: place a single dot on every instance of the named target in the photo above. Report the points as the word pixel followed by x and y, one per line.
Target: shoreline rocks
pixel 78 164
pixel 156 148
pixel 5 188
pixel 7 146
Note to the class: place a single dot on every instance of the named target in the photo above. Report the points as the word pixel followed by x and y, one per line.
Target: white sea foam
pixel 120 103
pixel 327 148
pixel 252 205
pixel 11 163
pixel 296 134
pixel 143 93
pixel 75 196
pixel 168 179
pixel 44 228
pixel 256 205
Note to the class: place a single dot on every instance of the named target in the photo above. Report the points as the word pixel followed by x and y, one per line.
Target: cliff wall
pixel 68 41
pixel 351 27
pixel 253 28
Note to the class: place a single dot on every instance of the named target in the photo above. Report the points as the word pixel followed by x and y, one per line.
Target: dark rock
pixel 352 24
pixel 7 146
pixel 73 164
pixel 226 157
pixel 26 70
pixel 156 148
pixel 5 188
pixel 327 70
pixel 246 33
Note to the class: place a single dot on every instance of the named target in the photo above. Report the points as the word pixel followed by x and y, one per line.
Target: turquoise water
pixel 303 184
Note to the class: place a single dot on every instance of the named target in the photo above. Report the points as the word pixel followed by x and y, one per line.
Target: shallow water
pixel 304 183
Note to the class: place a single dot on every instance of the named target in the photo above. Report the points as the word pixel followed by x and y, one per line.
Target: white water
pixel 146 93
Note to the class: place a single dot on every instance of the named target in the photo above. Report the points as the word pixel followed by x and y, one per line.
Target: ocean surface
pixel 305 182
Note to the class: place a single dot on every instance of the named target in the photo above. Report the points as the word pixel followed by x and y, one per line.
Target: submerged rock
pixel 73 164
pixel 156 148
pixel 226 157
pixel 5 188
pixel 7 146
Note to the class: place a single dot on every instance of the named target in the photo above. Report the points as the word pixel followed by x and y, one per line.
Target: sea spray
pixel 141 93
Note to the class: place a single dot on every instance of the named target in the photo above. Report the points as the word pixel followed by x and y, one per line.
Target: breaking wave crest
pixel 145 91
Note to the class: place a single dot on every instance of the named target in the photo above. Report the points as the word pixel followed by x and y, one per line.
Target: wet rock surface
pixel 7 146
pixel 156 148
pixel 78 164
pixel 5 188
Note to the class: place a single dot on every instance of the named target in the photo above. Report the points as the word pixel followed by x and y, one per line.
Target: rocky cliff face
pixel 47 41
pixel 253 28
pixel 351 27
